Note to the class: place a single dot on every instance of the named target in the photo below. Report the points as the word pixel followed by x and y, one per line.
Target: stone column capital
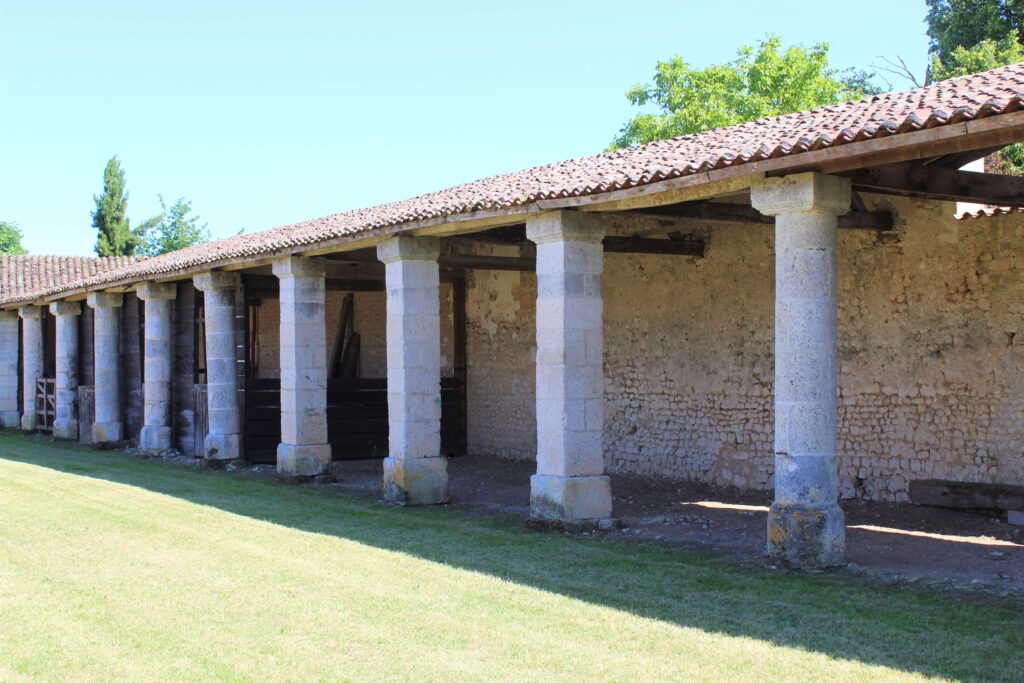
pixel 405 248
pixel 299 266
pixel 104 299
pixel 564 226
pixel 801 193
pixel 31 312
pixel 217 279
pixel 61 308
pixel 156 291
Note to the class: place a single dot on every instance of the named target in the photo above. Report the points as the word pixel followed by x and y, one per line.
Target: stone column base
pixel 309 460
pixel 65 429
pixel 106 432
pixel 10 419
pixel 28 422
pixel 570 500
pixel 222 447
pixel 804 536
pixel 153 438
pixel 416 481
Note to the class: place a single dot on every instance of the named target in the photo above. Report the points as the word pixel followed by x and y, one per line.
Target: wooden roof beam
pixel 936 182
pixel 716 212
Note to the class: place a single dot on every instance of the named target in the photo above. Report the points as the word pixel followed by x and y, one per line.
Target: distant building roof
pixel 23 275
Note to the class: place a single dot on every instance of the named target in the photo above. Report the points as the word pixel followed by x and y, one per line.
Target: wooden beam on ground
pixel 966 495
pixel 718 212
pixel 935 182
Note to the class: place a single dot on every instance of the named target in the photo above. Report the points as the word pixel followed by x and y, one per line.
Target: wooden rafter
pixel 936 182
pixel 718 212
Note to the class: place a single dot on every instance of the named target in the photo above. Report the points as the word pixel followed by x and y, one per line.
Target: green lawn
pixel 113 567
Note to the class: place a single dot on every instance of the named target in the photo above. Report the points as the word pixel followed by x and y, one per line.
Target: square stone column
pixel 107 427
pixel 223 441
pixel 303 451
pixel 805 523
pixel 157 361
pixel 10 416
pixel 31 363
pixel 415 473
pixel 570 485
pixel 65 423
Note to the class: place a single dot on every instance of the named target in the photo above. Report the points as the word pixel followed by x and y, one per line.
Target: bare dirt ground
pixel 888 542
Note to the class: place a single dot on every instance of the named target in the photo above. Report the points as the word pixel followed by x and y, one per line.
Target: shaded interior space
pixel 896 542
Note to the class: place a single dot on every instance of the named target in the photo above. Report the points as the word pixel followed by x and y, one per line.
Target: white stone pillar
pixel 65 423
pixel 415 472
pixel 32 362
pixel 223 441
pixel 805 524
pixel 304 450
pixel 157 362
pixel 10 416
pixel 106 426
pixel 570 485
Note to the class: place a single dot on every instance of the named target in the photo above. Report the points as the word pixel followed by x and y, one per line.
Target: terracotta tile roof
pixel 955 100
pixel 22 275
pixel 989 211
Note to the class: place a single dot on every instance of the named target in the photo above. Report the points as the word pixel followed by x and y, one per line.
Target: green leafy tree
pixel 174 229
pixel 988 54
pixel 762 81
pixel 115 236
pixel 954 24
pixel 10 238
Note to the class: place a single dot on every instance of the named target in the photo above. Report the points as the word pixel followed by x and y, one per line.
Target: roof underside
pixel 989 94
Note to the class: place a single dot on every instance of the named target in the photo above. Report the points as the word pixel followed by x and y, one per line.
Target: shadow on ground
pixel 896 627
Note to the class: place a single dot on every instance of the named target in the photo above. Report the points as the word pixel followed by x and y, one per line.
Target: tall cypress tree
pixel 114 234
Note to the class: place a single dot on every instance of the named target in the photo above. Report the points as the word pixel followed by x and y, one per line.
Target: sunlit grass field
pixel 119 568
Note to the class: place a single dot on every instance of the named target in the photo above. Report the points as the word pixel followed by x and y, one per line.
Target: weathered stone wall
pixel 931 349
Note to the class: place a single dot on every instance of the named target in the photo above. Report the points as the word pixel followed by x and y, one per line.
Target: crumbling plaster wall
pixel 931 352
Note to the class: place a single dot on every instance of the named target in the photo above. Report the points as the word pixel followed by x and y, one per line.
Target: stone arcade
pixel 795 305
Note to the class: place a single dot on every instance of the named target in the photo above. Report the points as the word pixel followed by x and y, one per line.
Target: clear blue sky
pixel 272 112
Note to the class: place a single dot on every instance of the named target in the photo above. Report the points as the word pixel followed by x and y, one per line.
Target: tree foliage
pixel 10 238
pixel 988 54
pixel 115 236
pixel 954 24
pixel 174 229
pixel 762 81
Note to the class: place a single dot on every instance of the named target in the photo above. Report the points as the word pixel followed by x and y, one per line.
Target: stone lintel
pixel 801 193
pixel 299 266
pixel 404 248
pixel 157 291
pixel 31 312
pixel 217 279
pixel 568 226
pixel 60 308
pixel 105 299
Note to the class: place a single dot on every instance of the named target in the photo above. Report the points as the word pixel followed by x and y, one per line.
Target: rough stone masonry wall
pixel 931 353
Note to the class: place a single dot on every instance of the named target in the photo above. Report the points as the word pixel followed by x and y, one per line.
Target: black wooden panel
pixel 131 368
pixel 184 367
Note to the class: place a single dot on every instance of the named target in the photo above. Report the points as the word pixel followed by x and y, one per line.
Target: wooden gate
pixel 202 419
pixel 357 418
pixel 86 413
pixel 46 403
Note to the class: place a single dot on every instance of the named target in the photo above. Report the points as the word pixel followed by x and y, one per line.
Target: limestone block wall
pixel 931 353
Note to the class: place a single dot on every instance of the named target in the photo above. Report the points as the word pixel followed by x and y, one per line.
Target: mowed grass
pixel 113 567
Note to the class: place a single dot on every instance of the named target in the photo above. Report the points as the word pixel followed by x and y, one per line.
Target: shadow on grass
pixel 900 628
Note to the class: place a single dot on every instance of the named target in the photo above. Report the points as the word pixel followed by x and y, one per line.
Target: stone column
pixel 32 362
pixel 805 524
pixel 65 423
pixel 10 416
pixel 303 451
pixel 415 472
pixel 223 441
pixel 570 485
pixel 107 427
pixel 157 361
